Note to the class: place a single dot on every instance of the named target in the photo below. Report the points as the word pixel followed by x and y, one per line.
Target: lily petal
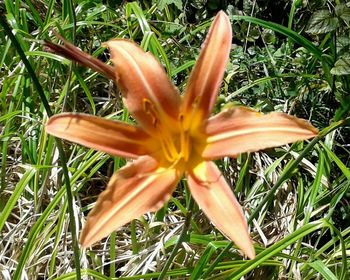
pixel 113 137
pixel 207 74
pixel 240 130
pixel 148 93
pixel 137 188
pixel 215 198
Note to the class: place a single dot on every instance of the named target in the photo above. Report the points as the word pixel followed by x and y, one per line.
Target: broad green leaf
pixel 269 36
pixel 322 22
pixel 343 44
pixel 163 3
pixel 343 12
pixel 341 66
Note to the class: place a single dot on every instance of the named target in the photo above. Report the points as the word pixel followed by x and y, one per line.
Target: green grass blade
pixel 287 172
pixel 58 142
pixel 276 248
pixel 323 270
pixel 36 229
pixel 27 176
pixel 294 36
pixel 338 162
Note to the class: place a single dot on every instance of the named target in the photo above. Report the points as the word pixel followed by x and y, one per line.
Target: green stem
pixel 134 243
pixel 182 236
pixel 112 253
pixel 63 160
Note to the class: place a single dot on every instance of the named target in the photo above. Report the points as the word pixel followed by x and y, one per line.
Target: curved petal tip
pixel 215 198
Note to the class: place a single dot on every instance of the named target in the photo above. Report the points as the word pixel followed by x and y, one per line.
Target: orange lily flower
pixel 175 137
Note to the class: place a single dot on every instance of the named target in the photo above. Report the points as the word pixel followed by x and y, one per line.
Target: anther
pixel 149 109
pixel 196 101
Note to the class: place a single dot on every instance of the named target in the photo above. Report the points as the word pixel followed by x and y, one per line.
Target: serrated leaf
pixel 342 66
pixel 343 44
pixel 343 12
pixel 163 3
pixel 322 22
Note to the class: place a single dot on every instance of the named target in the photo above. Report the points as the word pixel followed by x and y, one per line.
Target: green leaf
pixel 203 260
pixel 163 3
pixel 343 44
pixel 292 35
pixel 11 202
pixel 269 36
pixel 48 55
pixel 341 66
pixel 9 116
pixel 343 12
pixel 323 269
pixel 276 248
pixel 322 22
pixel 338 162
pixel 86 272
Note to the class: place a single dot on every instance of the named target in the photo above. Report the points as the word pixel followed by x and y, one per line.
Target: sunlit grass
pixel 296 198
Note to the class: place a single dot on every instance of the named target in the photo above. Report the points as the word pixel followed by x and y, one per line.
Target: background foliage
pixel 290 56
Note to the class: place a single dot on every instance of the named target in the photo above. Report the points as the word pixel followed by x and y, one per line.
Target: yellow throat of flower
pixel 178 142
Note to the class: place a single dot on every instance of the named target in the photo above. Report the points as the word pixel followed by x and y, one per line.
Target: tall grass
pixel 296 198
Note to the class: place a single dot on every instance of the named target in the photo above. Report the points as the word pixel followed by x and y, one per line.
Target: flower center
pixel 176 146
pixel 174 137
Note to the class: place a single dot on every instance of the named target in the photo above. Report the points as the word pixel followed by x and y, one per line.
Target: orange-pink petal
pixel 215 198
pixel 240 130
pixel 207 74
pixel 113 137
pixel 138 188
pixel 147 91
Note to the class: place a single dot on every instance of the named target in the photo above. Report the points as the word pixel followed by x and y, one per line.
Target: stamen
pixel 167 151
pixel 166 141
pixel 150 110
